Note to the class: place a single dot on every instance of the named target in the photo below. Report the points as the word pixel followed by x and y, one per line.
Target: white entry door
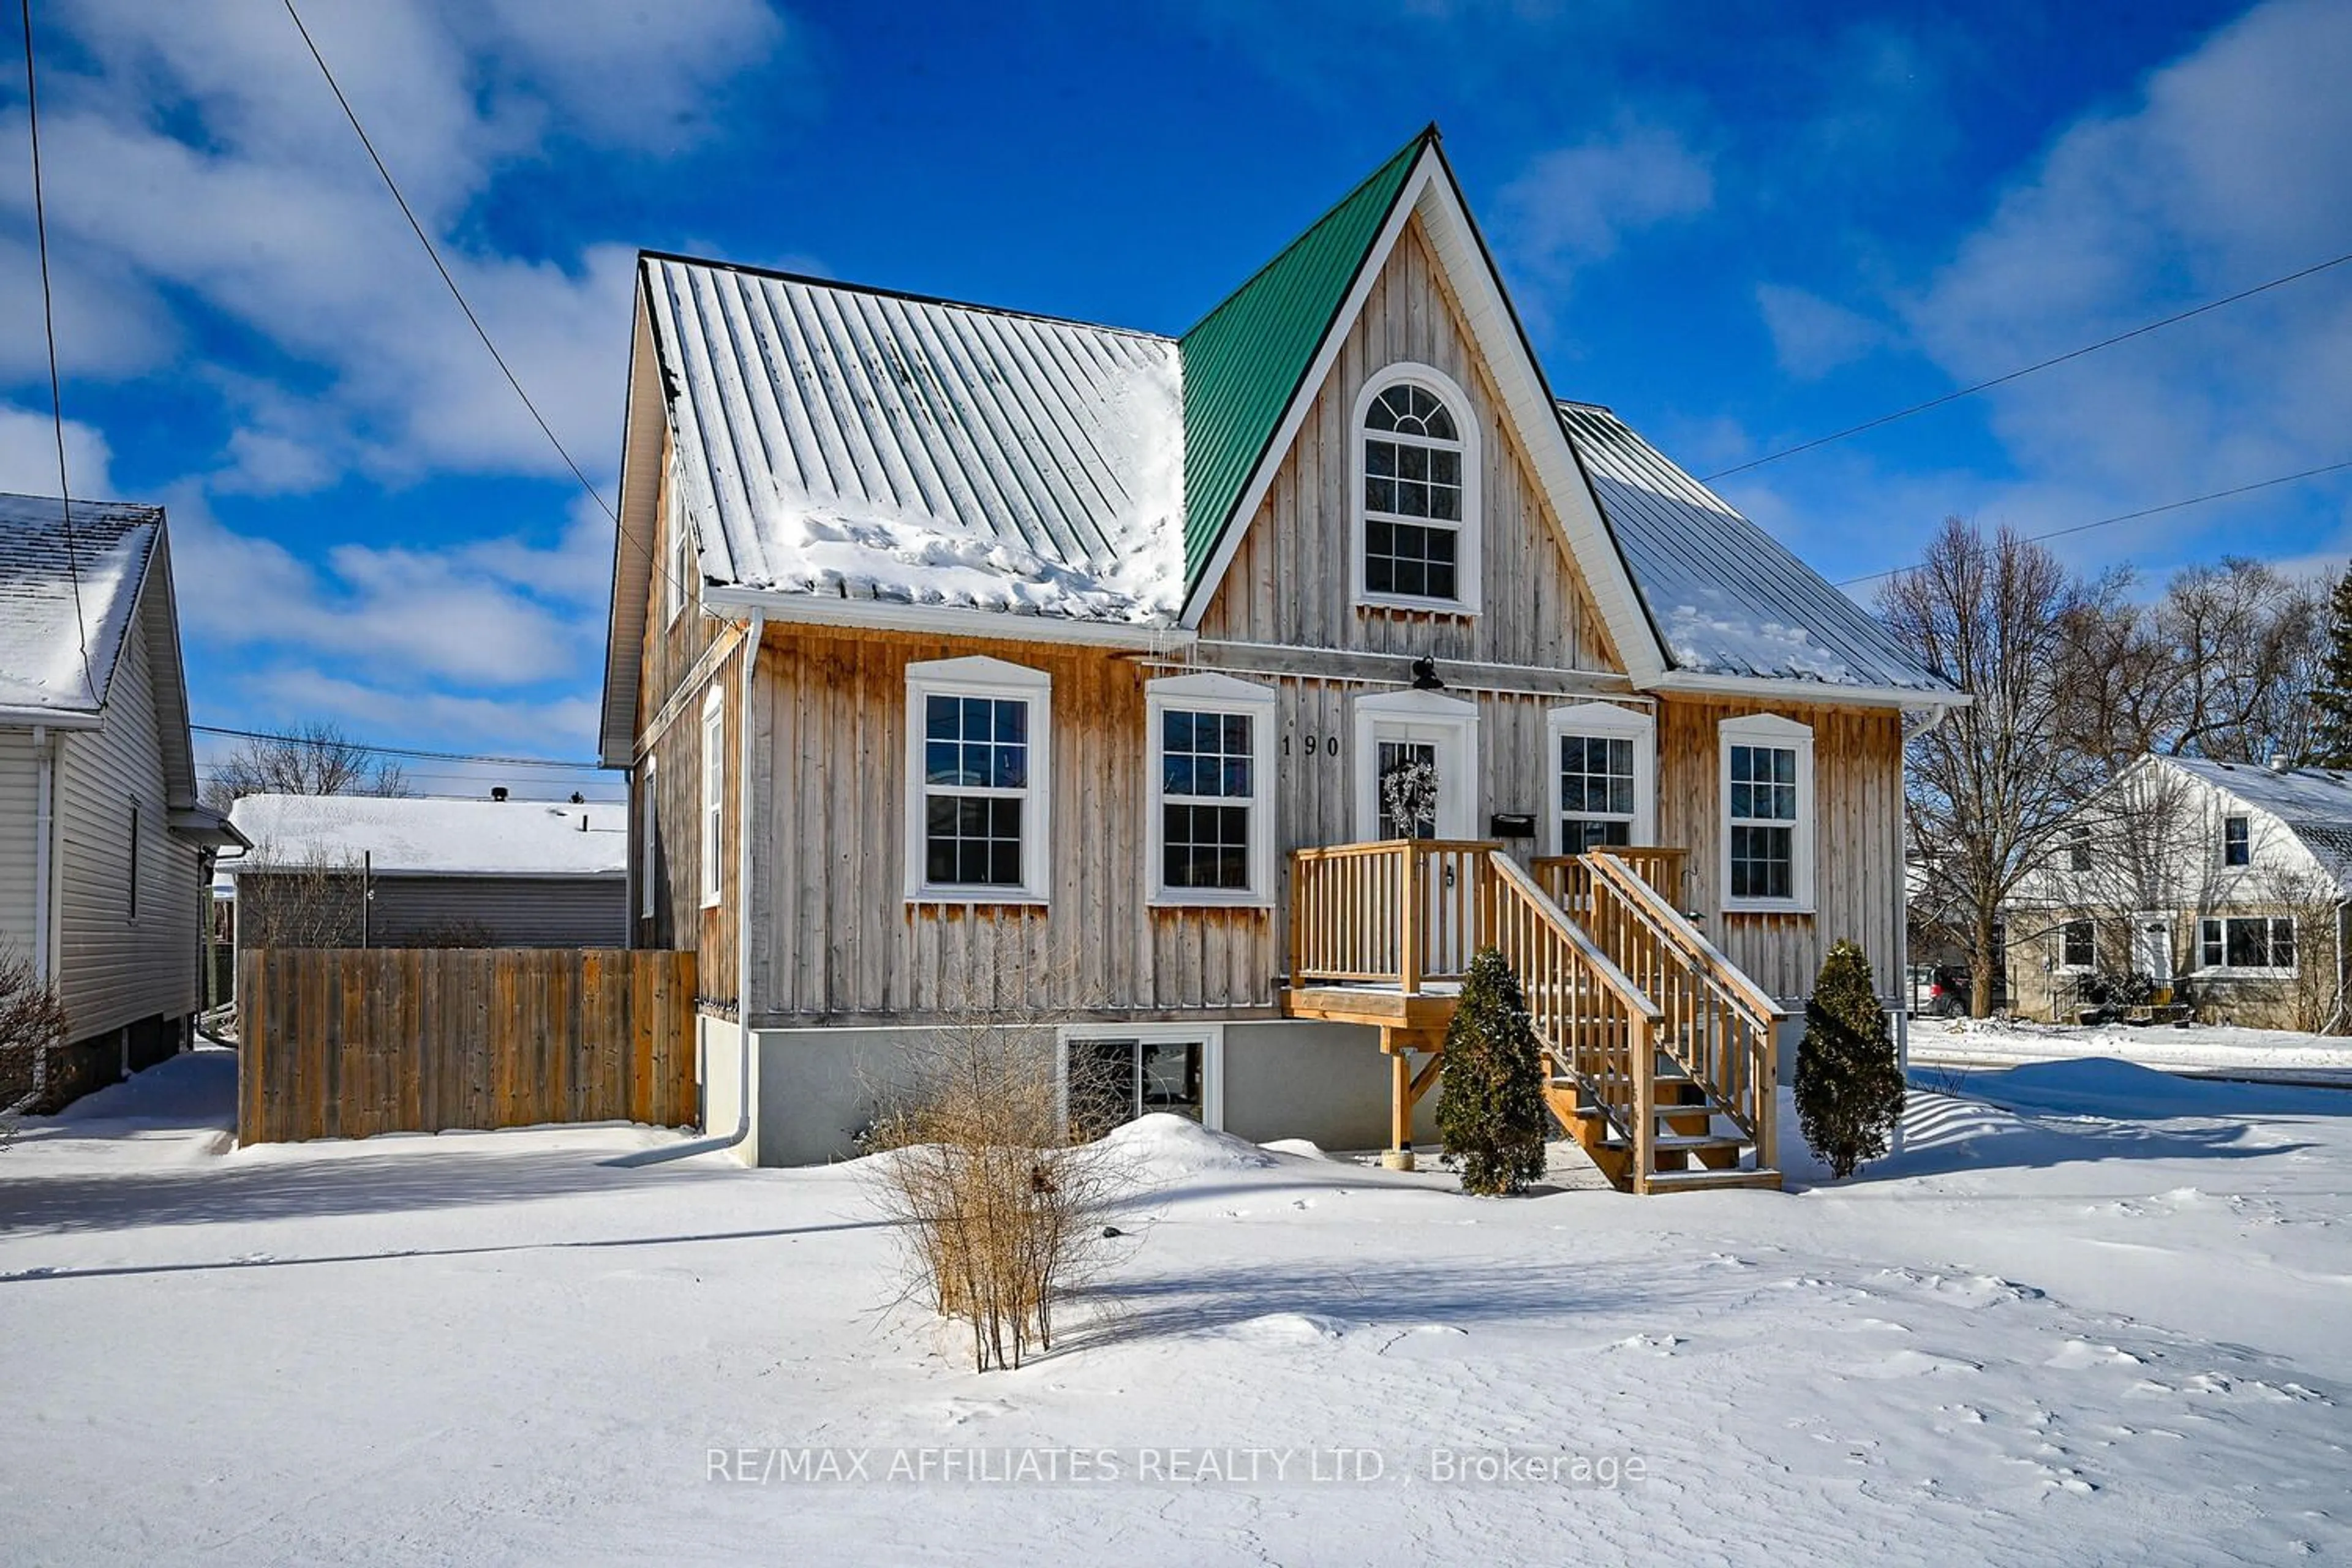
pixel 2152 948
pixel 1417 726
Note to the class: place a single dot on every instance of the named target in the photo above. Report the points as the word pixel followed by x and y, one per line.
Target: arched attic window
pixel 1416 514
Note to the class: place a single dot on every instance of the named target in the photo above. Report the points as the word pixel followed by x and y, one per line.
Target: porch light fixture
pixel 1424 675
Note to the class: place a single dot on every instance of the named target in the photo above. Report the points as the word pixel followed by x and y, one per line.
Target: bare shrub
pixel 1002 1210
pixel 455 931
pixel 315 900
pixel 32 1024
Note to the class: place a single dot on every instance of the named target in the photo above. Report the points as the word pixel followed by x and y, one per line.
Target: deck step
pixel 1704 1181
pixel 1685 1143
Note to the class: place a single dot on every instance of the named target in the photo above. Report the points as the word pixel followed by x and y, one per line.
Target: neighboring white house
pixel 104 849
pixel 2225 884
pixel 368 870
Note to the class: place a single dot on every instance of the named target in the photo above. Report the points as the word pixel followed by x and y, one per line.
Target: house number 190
pixel 1310 744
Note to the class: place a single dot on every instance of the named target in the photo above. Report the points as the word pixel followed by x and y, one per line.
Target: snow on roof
pixel 846 442
pixel 2316 803
pixel 40 642
pixel 1727 597
pixel 427 836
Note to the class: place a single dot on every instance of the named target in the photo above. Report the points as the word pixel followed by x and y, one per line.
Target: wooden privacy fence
pixel 349 1042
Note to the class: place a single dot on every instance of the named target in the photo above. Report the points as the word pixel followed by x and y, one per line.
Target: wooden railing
pixel 1716 1023
pixel 1592 1019
pixel 1401 911
pixel 1565 878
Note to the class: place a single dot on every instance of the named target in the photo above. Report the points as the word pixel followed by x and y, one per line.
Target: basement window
pixel 1210 756
pixel 978 755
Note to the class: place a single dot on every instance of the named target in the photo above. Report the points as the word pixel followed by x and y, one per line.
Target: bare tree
pixel 32 1025
pixel 318 758
pixel 1000 1200
pixel 311 901
pixel 2245 644
pixel 1986 787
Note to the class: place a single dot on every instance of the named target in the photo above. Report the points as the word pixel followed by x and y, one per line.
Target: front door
pixel 2152 949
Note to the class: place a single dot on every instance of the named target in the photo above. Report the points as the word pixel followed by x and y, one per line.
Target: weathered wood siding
pixel 1289 582
pixel 343 1043
pixel 680 918
pixel 1857 861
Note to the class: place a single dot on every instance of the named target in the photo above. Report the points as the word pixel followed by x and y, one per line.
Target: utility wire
pixel 50 327
pixel 2003 380
pixel 2130 516
pixel 398 751
pixel 434 253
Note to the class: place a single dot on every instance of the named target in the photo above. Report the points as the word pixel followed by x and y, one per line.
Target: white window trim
pixel 1457 809
pixel 680 569
pixel 713 837
pixel 982 676
pixel 2228 864
pixel 1769 730
pixel 1210 694
pixel 1212 1039
pixel 2062 966
pixel 1469 534
pixel 1610 721
pixel 2252 971
pixel 649 832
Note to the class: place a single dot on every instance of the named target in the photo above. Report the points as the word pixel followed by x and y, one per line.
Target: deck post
pixel 1644 1037
pixel 1399 1156
pixel 1409 920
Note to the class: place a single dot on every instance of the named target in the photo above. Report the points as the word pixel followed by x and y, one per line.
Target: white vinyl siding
pixel 19 850
pixel 113 970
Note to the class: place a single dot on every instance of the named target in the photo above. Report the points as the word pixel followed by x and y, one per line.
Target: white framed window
pixel 979 756
pixel 2247 944
pixel 714 790
pixel 682 569
pixel 649 841
pixel 1109 1074
pixel 1415 515
pixel 2078 947
pixel 2237 841
pixel 1601 767
pixel 1768 814
pixel 2078 848
pixel 1209 836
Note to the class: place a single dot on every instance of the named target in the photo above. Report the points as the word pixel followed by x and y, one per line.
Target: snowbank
pixel 1162 1149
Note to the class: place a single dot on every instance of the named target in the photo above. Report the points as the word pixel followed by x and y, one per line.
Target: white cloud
pixel 196 156
pixel 497 614
pixel 1574 206
pixel 28 457
pixel 1811 336
pixel 564 726
pixel 2227 169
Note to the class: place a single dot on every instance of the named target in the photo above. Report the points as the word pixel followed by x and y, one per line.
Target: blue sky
pixel 1740 225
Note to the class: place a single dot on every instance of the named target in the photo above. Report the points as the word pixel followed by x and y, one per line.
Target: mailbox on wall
pixel 1511 824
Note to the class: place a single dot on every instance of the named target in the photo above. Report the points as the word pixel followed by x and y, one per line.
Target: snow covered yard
pixel 2092 1313
pixel 2204 1048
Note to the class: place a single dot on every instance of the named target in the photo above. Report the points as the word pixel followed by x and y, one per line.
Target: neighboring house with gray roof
pixel 2224 884
pixel 104 849
pixel 953 646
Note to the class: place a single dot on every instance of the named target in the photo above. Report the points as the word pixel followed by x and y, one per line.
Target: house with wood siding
pixel 1209 699
pixel 105 852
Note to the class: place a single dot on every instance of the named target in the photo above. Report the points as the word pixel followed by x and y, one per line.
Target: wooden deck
pixel 1660 1053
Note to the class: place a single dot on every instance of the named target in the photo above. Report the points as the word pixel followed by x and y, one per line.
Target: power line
pixel 50 327
pixel 2130 516
pixel 399 751
pixel 2026 370
pixel 434 253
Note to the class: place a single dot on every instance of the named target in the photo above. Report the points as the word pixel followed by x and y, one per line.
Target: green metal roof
pixel 1244 360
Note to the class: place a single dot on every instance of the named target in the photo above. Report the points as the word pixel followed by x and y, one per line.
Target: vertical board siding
pixel 1857 869
pixel 349 1042
pixel 680 918
pixel 1289 579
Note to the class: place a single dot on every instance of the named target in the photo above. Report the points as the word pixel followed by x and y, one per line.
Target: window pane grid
pixel 1413 496
pixel 1207 785
pixel 1596 791
pixel 2253 941
pixel 976 781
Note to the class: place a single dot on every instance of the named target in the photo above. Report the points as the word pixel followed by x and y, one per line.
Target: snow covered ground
pixel 2208 1048
pixel 2092 1313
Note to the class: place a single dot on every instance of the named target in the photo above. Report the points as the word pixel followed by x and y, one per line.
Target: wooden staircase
pixel 1659 1053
